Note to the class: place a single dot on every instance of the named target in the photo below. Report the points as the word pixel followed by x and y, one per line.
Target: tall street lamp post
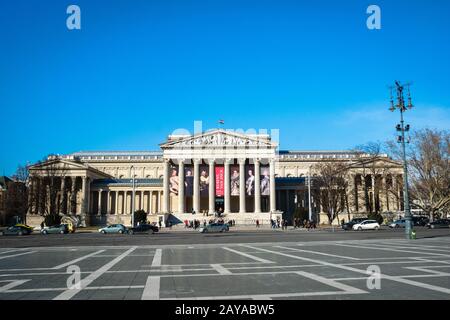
pixel 133 199
pixel 401 128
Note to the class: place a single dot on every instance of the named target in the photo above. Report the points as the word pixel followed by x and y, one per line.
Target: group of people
pixel 195 224
pixel 307 224
pixel 279 223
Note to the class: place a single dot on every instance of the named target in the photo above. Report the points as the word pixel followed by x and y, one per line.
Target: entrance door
pixel 219 204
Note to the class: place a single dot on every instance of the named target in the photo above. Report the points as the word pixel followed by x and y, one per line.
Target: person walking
pixel 257 223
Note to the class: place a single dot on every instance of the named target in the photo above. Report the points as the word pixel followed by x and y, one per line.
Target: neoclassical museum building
pixel 243 176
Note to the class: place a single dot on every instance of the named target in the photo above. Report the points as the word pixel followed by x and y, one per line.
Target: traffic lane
pixel 233 236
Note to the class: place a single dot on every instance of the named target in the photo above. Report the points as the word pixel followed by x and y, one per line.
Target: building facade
pixel 243 176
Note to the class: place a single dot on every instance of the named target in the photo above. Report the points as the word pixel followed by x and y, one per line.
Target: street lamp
pixel 401 128
pixel 309 194
pixel 133 198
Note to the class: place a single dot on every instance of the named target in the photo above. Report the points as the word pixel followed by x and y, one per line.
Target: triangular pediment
pixel 376 162
pixel 219 138
pixel 63 167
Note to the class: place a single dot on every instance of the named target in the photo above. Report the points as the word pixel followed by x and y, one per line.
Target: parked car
pixel 25 226
pixel 15 231
pixel 366 225
pixel 440 223
pixel 114 228
pixel 215 227
pixel 420 221
pixel 61 228
pixel 143 228
pixel 349 225
pixel 401 223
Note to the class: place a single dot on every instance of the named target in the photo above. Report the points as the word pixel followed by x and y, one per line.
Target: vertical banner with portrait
pixel 249 180
pixel 265 180
pixel 204 181
pixel 220 175
pixel 189 181
pixel 234 183
pixel 174 182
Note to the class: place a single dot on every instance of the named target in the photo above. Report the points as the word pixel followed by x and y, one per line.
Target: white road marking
pixel 220 269
pixel 13 284
pixel 248 255
pixel 401 247
pixel 157 258
pixel 16 255
pixel 319 253
pixel 424 269
pixel 15 250
pixel 69 293
pixel 151 289
pixel 264 296
pixel 401 280
pixel 330 282
pixel 392 250
pixel 71 262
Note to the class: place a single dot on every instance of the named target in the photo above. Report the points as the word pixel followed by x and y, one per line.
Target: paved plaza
pixel 417 269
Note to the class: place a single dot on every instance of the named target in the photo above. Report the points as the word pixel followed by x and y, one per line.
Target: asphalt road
pixel 351 269
pixel 169 237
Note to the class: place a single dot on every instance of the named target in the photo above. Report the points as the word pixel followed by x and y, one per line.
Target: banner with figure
pixel 204 181
pixel 220 174
pixel 174 182
pixel 189 181
pixel 249 180
pixel 265 181
pixel 234 185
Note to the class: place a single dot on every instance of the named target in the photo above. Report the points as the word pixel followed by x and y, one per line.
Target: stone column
pixel 227 186
pixel 73 196
pixel 373 177
pixel 125 209
pixel 108 202
pixel 181 208
pixel 150 202
pixel 272 186
pixel 63 196
pixel 99 212
pixel 116 202
pixel 84 194
pixel 242 185
pixel 166 191
pixel 212 187
pixel 257 187
pixel 196 195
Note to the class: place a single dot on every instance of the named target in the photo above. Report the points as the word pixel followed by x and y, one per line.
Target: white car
pixel 367 225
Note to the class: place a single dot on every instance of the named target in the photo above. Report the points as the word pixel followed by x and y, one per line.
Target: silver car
pixel 215 227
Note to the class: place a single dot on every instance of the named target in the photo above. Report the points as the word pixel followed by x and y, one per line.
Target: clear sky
pixel 137 70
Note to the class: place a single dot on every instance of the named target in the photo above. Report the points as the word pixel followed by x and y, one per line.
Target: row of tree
pixel 428 163
pixel 429 175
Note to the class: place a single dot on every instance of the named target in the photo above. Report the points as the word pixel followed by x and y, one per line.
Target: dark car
pixel 420 221
pixel 349 225
pixel 143 228
pixel 15 231
pixel 440 223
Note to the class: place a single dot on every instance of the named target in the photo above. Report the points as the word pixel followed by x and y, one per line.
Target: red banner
pixel 220 178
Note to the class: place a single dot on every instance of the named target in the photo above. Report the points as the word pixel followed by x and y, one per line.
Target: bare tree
pixel 21 174
pixel 330 186
pixel 369 156
pixel 429 170
pixel 47 176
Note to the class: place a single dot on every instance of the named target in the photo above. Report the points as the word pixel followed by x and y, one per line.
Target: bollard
pixel 413 234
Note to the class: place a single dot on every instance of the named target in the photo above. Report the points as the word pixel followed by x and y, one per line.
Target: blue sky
pixel 137 70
